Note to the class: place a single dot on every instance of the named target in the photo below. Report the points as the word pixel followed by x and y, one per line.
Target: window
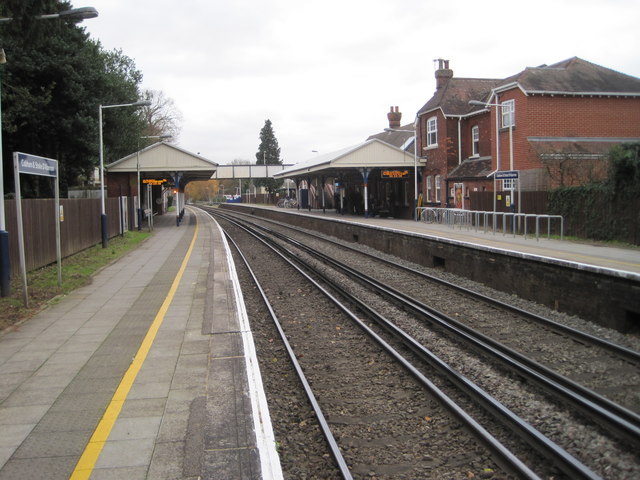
pixel 429 178
pixel 438 189
pixel 475 141
pixel 508 184
pixel 508 113
pixel 432 132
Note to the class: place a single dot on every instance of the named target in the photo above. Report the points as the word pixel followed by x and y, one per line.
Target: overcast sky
pixel 325 72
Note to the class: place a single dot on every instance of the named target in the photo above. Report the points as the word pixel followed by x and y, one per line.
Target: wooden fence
pixel 79 230
pixel 532 202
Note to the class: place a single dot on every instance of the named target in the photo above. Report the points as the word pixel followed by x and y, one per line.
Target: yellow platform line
pixel 89 457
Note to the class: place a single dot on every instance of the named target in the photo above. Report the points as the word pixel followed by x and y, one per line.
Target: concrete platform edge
pixel 265 439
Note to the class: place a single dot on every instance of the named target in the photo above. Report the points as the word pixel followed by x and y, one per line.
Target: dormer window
pixel 475 141
pixel 432 132
pixel 508 110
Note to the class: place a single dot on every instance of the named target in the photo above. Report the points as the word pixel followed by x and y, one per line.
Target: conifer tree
pixel 268 154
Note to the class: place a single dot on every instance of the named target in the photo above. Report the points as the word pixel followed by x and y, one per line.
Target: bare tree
pixel 162 117
pixel 566 168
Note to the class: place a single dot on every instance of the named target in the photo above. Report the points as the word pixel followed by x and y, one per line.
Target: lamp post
pixel 103 217
pixel 414 215
pixel 5 271
pixel 478 103
pixel 161 137
pixel 77 15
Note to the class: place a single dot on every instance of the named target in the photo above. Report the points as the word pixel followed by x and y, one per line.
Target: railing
pixel 513 223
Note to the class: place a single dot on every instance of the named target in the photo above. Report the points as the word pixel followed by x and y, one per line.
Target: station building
pixel 552 124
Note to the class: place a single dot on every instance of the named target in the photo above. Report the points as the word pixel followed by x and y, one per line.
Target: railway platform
pixel 148 372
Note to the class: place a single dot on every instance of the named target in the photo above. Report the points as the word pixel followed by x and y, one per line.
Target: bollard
pixel 5 265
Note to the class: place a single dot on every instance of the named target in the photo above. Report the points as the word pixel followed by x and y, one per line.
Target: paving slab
pixel 59 370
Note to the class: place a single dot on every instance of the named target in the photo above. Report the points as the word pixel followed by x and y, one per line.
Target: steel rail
pixel 326 430
pixel 622 420
pixel 550 450
pixel 620 350
pixel 565 462
pixel 625 414
pixel 561 458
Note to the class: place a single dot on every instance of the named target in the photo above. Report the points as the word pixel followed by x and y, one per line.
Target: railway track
pixel 516 419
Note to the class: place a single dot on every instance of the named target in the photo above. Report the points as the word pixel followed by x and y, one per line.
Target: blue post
pixel 5 265
pixel 103 224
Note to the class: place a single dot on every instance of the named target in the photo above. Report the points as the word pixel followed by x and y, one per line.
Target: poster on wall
pixel 458 197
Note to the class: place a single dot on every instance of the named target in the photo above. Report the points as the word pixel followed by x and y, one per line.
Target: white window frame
pixel 432 132
pixel 475 141
pixel 508 184
pixel 437 185
pixel 508 113
pixel 429 188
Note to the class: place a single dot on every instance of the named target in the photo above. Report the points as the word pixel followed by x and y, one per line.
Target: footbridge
pixel 232 172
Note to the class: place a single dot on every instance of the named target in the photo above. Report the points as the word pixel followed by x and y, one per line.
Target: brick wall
pixel 535 116
pixel 556 116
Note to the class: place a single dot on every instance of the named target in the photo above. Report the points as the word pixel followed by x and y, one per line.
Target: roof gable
pixel 370 154
pixel 162 156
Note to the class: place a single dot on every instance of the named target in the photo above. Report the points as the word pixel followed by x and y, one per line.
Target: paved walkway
pixel 145 373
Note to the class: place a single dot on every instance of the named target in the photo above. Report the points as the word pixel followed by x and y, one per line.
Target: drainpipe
pixel 495 183
pixel 459 141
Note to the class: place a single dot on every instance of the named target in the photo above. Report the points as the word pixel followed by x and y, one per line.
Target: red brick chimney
pixel 394 117
pixel 443 73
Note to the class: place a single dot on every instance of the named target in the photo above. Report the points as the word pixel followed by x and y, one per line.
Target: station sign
pixel 26 164
pixel 395 173
pixel 34 165
pixel 506 174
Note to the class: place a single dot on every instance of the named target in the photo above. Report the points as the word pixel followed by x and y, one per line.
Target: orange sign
pixel 395 173
pixel 153 181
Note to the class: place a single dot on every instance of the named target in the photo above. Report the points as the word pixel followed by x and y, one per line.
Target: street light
pixel 414 215
pixel 478 103
pixel 77 14
pixel 103 217
pixel 161 137
pixel 5 271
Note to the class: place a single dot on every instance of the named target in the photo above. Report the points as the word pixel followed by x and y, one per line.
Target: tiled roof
pixel 574 75
pixel 396 138
pixel 472 168
pixel 453 98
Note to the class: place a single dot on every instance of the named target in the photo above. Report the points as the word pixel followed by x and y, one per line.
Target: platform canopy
pixel 162 161
pixel 373 153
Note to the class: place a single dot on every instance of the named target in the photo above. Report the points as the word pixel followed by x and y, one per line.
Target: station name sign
pixel 506 174
pixel 395 173
pixel 35 165
pixel 153 181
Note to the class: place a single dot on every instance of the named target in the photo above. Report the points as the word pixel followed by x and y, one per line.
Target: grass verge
pixel 42 284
